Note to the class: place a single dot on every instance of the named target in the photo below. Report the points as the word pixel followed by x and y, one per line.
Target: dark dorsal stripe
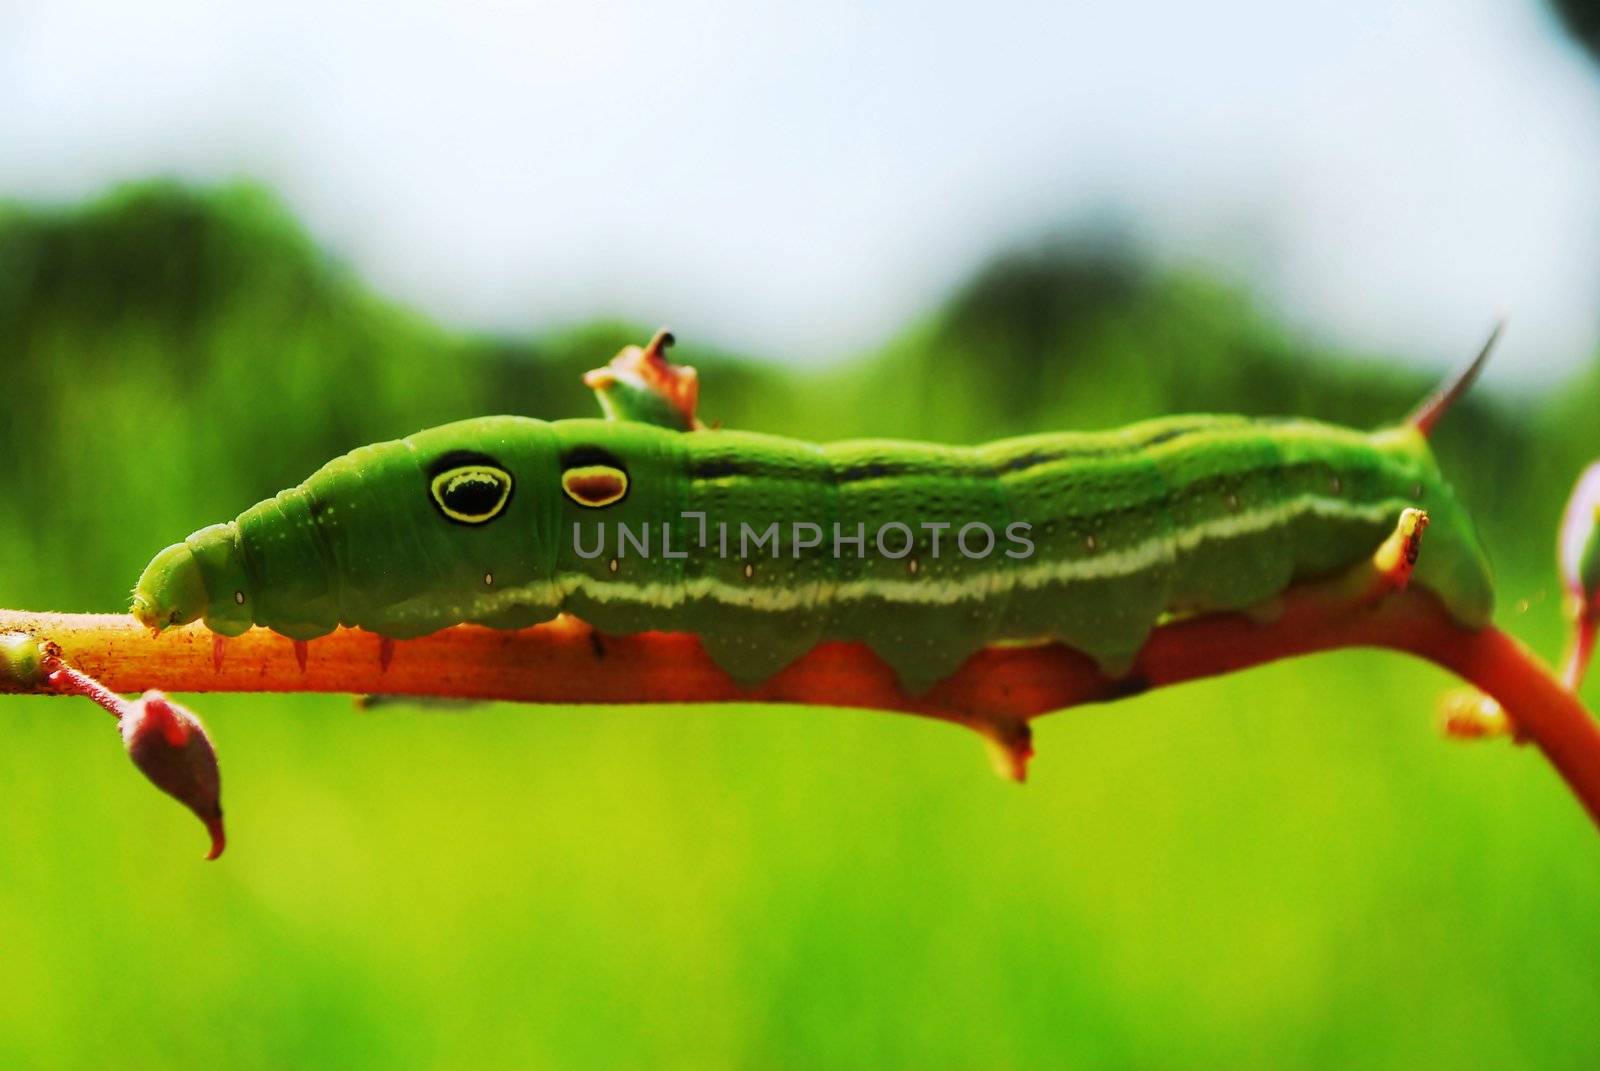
pixel 1085 445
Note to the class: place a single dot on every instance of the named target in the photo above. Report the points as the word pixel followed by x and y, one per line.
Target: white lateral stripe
pixel 1026 574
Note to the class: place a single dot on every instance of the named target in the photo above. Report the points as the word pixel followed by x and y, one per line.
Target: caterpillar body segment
pixel 765 546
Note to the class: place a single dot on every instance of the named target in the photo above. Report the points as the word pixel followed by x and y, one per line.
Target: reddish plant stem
pixel 996 692
pixel 68 681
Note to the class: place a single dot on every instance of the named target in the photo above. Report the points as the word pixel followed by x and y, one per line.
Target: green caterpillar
pixel 1086 538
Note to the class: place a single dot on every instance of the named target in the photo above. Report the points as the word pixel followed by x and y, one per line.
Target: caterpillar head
pixel 170 592
pixel 174 588
pixel 459 523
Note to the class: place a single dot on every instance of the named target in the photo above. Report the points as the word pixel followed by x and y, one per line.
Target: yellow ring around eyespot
pixel 452 481
pixel 594 486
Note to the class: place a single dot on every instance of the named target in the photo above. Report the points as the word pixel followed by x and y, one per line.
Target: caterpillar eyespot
pixel 595 486
pixel 474 493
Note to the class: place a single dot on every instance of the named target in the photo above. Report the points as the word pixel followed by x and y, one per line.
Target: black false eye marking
pixel 469 488
pixel 593 477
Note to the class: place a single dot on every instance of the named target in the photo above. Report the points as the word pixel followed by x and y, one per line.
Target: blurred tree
pixel 1583 20
pixel 175 354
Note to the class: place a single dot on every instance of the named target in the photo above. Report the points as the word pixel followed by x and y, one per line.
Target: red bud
pixel 1580 538
pixel 170 747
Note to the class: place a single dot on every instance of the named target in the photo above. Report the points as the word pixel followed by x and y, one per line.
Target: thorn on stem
pixel 1468 714
pixel 1010 745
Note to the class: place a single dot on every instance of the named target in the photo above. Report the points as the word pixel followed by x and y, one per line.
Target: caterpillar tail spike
pixel 1437 404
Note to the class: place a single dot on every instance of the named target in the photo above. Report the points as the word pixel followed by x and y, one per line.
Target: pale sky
pixel 801 180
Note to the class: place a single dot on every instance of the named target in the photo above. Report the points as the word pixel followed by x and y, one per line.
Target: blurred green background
pixel 1284 868
pixel 1289 865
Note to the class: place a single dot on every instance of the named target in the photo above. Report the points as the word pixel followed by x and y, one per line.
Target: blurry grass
pixel 1284 868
